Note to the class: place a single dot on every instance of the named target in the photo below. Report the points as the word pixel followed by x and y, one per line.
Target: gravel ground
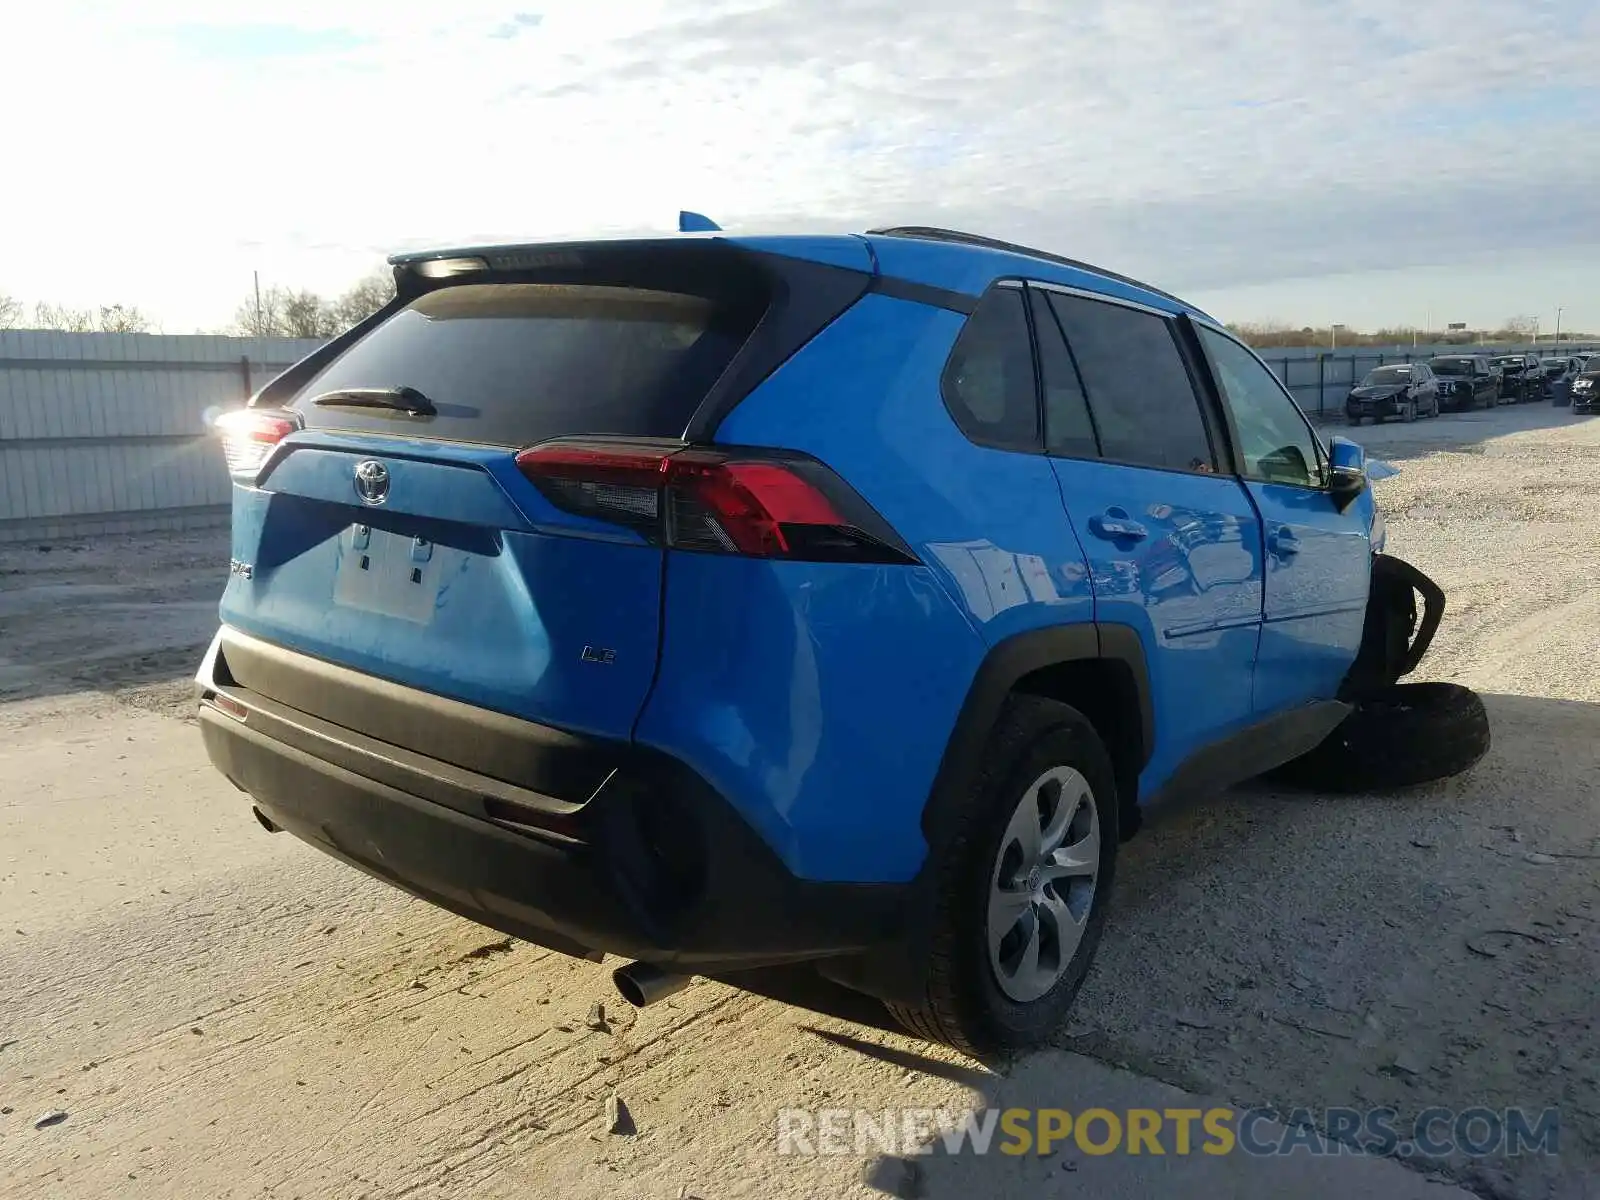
pixel 224 1013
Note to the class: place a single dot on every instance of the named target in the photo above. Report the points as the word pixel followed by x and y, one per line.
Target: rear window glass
pixel 515 363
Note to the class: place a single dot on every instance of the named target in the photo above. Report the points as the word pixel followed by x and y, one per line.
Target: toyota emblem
pixel 372 481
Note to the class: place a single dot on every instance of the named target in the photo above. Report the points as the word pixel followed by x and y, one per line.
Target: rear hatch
pixel 390 517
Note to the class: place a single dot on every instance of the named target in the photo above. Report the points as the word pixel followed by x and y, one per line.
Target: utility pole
pixel 1559 311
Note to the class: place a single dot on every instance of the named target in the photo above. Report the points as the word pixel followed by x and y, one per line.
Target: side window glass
pixel 988 382
pixel 1140 395
pixel 1067 428
pixel 1275 441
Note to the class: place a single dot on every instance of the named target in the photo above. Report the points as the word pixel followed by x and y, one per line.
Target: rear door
pixel 1173 543
pixel 1318 559
pixel 409 545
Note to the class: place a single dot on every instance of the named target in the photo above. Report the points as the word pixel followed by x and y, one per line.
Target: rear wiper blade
pixel 401 399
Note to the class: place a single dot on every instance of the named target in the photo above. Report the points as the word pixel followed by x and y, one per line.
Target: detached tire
pixel 1024 870
pixel 1403 735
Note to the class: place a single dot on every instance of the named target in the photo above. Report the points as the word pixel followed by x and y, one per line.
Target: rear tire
pixel 1403 735
pixel 984 993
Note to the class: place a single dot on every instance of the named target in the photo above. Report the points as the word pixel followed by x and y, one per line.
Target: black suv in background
pixel 1586 387
pixel 1522 378
pixel 1404 390
pixel 1465 380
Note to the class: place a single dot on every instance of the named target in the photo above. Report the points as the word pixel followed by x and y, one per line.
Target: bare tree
pixel 123 318
pixel 261 315
pixel 10 311
pixel 307 315
pixel 364 299
pixel 280 312
pixel 62 319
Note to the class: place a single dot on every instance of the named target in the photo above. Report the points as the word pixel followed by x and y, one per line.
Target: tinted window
pixel 517 363
pixel 1452 366
pixel 1067 427
pixel 1143 403
pixel 1388 375
pixel 988 382
pixel 1275 441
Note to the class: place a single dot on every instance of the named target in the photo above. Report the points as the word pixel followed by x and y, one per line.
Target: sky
pixel 1307 161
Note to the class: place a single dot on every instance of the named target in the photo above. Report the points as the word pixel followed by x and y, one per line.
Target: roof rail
pixel 933 233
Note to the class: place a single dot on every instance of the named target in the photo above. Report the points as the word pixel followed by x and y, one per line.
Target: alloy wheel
pixel 1042 886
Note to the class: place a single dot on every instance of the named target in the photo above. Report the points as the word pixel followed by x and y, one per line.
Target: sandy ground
pixel 224 1013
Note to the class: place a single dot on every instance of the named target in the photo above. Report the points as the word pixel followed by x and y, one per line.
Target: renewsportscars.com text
pixel 1433 1133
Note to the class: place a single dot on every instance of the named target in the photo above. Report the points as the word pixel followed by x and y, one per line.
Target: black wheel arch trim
pixel 1015 658
pixel 898 972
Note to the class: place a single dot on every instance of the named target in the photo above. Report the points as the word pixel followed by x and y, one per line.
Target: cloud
pixel 1205 146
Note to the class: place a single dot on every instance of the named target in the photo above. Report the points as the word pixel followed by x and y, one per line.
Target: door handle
pixel 1284 543
pixel 1115 525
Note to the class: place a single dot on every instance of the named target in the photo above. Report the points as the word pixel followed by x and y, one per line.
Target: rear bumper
pixel 655 865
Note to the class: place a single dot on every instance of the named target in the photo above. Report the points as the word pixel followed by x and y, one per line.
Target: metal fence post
pixel 244 373
pixel 1321 385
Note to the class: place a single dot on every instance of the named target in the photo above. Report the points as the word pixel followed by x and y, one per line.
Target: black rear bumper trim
pixel 656 866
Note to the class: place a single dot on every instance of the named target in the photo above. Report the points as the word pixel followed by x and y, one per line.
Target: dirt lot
pixel 224 1013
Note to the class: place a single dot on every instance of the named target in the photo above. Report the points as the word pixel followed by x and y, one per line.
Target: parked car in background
pixel 1521 379
pixel 1404 390
pixel 1586 388
pixel 1465 381
pixel 1558 375
pixel 1558 370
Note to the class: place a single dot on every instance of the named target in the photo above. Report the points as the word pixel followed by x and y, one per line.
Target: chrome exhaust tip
pixel 640 984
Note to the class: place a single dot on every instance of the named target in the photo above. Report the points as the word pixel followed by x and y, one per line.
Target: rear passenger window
pixel 988 382
pixel 1143 403
pixel 1068 429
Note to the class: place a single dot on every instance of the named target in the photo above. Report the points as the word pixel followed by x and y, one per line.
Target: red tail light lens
pixel 758 504
pixel 248 436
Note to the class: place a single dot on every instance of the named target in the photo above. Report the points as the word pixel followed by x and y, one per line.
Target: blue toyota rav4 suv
pixel 720 602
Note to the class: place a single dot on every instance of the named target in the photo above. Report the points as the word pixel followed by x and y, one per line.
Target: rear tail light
pixel 249 436
pixel 758 503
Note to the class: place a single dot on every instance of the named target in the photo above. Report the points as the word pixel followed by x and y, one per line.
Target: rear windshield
pixel 1452 366
pixel 1388 375
pixel 515 363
